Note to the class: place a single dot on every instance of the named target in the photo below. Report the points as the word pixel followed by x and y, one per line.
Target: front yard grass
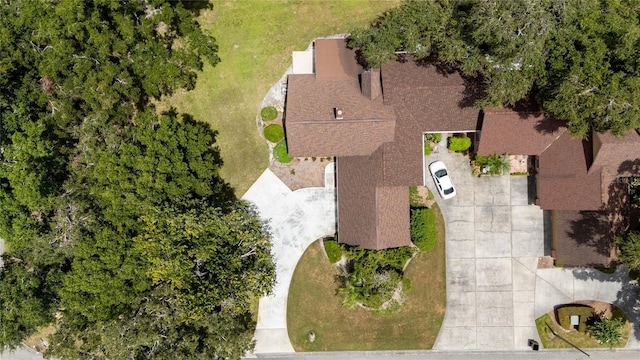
pixel 255 40
pixel 314 306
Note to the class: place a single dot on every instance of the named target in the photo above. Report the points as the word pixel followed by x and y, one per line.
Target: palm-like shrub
pixel 493 164
pixel 606 330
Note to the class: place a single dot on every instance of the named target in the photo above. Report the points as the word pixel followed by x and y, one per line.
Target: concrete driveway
pixel 296 219
pixel 495 291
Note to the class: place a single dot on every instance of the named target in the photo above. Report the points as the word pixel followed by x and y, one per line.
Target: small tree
pixel 606 330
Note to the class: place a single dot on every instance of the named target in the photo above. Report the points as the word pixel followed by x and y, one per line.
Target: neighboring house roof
pixel 582 238
pixel 564 182
pixel 535 132
pixel 378 143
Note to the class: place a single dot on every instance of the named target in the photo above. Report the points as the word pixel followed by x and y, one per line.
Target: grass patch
pixel 333 250
pixel 564 316
pixel 281 153
pixel 550 335
pixel 255 40
pixel 268 113
pixel 274 133
pixel 314 306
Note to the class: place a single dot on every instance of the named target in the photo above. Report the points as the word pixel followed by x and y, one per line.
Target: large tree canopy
pixel 580 57
pixel 119 231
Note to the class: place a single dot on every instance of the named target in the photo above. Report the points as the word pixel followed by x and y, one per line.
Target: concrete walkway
pixel 494 289
pixel 297 219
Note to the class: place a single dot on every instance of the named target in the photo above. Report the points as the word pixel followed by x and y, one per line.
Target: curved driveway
pixel 495 291
pixel 297 219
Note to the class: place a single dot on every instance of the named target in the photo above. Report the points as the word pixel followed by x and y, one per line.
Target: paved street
pixel 457 355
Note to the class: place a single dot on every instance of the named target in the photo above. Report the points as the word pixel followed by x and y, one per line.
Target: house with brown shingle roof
pixel 579 180
pixel 373 122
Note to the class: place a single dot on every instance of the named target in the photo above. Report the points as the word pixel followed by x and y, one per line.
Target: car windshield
pixel 440 173
pixel 448 191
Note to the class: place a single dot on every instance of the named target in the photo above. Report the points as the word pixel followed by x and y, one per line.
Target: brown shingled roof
pixel 436 100
pixel 310 122
pixel 378 144
pixel 369 214
pixel 563 180
pixel 505 131
pixel 581 238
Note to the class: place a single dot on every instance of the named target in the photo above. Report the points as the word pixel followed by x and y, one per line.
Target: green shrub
pixel 433 137
pixel 373 276
pixel 274 133
pixel 280 152
pixel 606 330
pixel 333 250
pixel 268 113
pixel 458 144
pixel 563 315
pixel 424 233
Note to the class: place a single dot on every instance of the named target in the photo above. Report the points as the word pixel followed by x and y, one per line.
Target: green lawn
pixel 314 306
pixel 255 40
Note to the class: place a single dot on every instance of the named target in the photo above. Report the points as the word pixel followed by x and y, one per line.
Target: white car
pixel 442 179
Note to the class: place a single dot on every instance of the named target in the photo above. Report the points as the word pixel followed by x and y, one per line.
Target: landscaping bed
pixel 556 331
pixel 315 307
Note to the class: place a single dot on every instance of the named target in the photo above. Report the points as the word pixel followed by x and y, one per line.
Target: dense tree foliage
pixel 579 57
pixel 118 227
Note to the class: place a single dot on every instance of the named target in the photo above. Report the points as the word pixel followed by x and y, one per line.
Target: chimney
pixel 338 113
pixel 370 83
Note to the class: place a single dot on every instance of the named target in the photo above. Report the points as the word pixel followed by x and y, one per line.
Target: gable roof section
pixel 620 156
pixel 534 132
pixel 563 179
pixel 582 238
pixel 311 125
pixel 438 101
pixel 369 214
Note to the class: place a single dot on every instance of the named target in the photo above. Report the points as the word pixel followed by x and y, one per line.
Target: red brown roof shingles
pixel 378 144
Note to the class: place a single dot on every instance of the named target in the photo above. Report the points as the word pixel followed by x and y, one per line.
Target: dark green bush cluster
pixel 281 153
pixel 274 133
pixel 372 277
pixel 268 113
pixel 459 144
pixel 424 233
pixel 333 250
